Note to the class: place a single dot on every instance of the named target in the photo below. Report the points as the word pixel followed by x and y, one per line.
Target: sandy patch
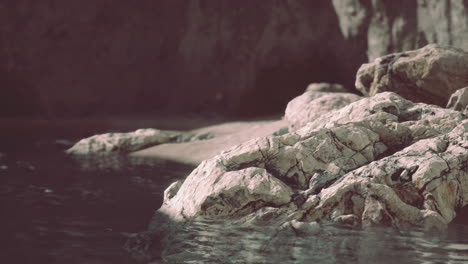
pixel 226 135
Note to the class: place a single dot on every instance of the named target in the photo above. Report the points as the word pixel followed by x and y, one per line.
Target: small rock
pixel 305 228
pixel 313 104
pixel 326 88
pixel 124 142
pixel 459 101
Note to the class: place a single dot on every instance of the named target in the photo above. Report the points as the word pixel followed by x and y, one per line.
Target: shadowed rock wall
pixel 397 25
pixel 85 57
pixel 78 58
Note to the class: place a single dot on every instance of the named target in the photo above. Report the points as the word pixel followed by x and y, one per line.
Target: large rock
pixel 379 161
pixel 430 74
pixel 125 142
pixel 316 101
pixel 459 101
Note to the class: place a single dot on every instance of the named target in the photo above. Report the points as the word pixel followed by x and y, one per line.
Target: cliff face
pixel 248 57
pixel 398 25
pixel 69 57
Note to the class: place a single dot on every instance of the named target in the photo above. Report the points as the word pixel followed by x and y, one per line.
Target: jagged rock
pixel 125 142
pixel 379 161
pixel 430 74
pixel 459 101
pixel 317 100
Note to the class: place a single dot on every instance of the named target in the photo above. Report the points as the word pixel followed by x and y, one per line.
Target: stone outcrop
pixel 459 101
pixel 128 142
pixel 381 160
pixel 430 74
pixel 316 101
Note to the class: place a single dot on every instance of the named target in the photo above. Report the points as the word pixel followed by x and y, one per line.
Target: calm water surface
pixel 55 209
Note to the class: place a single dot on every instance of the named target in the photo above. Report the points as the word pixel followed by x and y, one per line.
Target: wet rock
pixel 459 101
pixel 381 160
pixel 317 100
pixel 126 142
pixel 430 74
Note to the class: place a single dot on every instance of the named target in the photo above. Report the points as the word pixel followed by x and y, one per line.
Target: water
pixel 55 209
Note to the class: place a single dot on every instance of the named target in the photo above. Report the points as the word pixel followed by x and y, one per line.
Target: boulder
pixel 126 142
pixel 430 74
pixel 459 101
pixel 317 100
pixel 381 160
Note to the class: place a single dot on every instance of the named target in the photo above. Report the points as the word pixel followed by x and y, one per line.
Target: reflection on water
pixel 55 209
pixel 219 242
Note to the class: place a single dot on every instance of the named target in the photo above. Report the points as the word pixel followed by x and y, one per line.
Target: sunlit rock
pixel 382 160
pixel 318 99
pixel 430 74
pixel 128 142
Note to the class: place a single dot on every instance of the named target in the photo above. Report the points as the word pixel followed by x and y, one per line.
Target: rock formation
pixel 459 101
pixel 128 142
pixel 430 74
pixel 316 101
pixel 381 160
pixel 390 26
pixel 64 58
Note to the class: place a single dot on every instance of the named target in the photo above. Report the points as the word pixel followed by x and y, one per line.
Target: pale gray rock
pixel 459 101
pixel 326 88
pixel 430 74
pixel 125 142
pixel 382 160
pixel 318 99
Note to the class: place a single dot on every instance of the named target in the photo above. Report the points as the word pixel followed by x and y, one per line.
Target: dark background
pixel 70 58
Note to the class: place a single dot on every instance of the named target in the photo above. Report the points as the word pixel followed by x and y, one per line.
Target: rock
pixel 236 192
pixel 459 101
pixel 430 74
pixel 389 26
pixel 125 142
pixel 305 228
pixel 326 88
pixel 233 52
pixel 318 99
pixel 381 160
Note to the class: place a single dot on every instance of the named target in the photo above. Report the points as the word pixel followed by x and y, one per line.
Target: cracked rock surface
pixel 428 75
pixel 127 142
pixel 382 160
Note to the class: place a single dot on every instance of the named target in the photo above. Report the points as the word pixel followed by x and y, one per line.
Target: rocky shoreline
pixel 380 160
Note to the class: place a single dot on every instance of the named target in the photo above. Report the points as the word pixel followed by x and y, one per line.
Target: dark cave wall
pixel 81 58
pixel 78 58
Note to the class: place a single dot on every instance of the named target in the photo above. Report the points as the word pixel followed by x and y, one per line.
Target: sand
pixel 226 135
